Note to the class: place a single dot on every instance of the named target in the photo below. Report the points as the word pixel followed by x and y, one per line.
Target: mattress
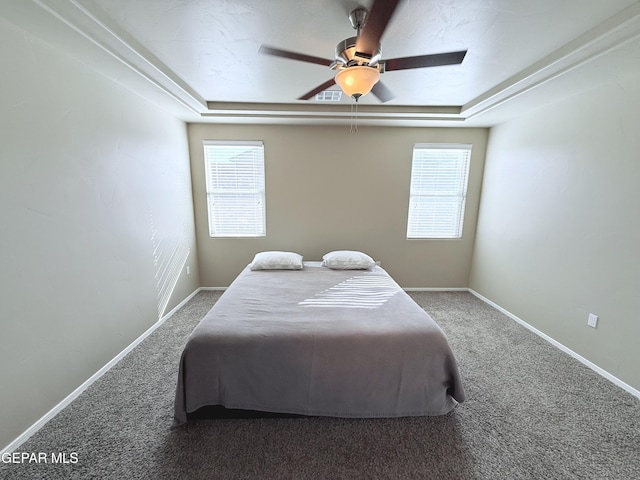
pixel 321 342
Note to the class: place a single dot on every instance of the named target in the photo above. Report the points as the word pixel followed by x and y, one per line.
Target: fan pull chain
pixel 354 117
pixel 351 118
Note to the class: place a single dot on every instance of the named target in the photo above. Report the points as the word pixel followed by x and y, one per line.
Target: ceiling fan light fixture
pixel 358 80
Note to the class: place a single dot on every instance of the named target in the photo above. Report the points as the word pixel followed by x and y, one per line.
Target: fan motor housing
pixel 348 56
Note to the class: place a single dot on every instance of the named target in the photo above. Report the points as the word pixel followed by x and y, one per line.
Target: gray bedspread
pixel 318 342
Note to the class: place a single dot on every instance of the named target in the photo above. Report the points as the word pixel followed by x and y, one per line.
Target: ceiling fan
pixel 358 59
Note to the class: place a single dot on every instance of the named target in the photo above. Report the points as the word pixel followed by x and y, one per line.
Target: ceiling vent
pixel 329 96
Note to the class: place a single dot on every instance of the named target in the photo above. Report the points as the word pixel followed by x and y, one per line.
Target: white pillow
pixel 276 261
pixel 347 260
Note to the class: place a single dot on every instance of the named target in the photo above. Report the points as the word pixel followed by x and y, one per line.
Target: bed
pixel 318 341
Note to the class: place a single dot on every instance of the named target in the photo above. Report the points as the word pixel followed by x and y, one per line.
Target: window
pixel 439 175
pixel 235 188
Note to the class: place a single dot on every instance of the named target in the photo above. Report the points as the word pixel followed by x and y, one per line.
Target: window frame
pixel 218 228
pixel 426 228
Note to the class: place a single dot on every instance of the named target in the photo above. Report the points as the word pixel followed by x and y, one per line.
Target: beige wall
pixel 329 189
pixel 97 220
pixel 559 227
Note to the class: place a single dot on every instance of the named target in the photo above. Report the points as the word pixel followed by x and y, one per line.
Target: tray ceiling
pixel 200 58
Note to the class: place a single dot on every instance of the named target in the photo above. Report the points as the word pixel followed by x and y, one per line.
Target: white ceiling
pixel 199 58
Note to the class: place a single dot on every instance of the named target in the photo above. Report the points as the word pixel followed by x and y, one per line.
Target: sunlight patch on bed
pixel 361 291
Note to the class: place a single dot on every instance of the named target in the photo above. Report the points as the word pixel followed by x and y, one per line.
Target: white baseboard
pixel 555 343
pixel 76 393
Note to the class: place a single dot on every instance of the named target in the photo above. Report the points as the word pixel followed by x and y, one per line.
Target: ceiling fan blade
pixel 382 92
pixel 376 23
pixel 318 89
pixel 276 52
pixel 421 61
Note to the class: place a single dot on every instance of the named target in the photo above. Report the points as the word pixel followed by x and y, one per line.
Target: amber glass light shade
pixel 358 80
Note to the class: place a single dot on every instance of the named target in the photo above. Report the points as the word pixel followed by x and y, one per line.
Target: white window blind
pixel 439 176
pixel 235 188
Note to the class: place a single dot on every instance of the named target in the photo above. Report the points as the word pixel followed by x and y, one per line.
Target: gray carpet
pixel 532 412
